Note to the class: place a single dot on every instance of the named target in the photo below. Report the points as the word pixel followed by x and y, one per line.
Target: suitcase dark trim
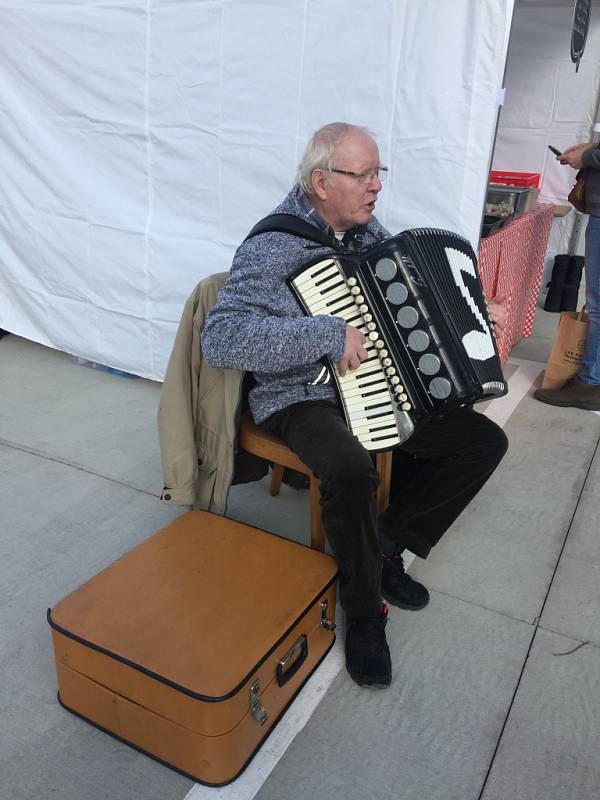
pixel 176 686
pixel 166 763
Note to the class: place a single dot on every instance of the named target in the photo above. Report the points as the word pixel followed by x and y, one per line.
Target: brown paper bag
pixel 567 351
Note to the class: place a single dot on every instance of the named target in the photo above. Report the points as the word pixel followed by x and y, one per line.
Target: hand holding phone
pixel 554 150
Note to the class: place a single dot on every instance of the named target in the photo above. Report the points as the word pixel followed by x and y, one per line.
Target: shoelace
pixel 396 561
pixel 373 633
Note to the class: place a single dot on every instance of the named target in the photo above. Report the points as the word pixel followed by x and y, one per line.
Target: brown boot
pixel 574 394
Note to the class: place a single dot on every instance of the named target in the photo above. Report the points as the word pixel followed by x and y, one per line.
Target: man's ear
pixel 318 180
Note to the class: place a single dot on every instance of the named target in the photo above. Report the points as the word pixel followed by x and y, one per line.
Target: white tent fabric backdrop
pixel 142 139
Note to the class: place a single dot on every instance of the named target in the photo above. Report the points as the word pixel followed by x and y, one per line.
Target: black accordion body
pixel 418 299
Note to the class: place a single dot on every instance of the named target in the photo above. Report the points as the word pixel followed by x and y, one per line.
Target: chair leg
pixel 276 479
pixel 317 532
pixel 384 468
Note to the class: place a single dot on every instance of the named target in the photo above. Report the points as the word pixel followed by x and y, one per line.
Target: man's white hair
pixel 320 149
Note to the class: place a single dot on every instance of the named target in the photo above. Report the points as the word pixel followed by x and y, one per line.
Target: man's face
pixel 345 201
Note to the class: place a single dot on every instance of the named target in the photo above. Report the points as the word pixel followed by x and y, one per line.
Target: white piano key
pixel 363 394
pixel 316 272
pixel 351 314
pixel 367 383
pixel 360 384
pixel 370 430
pixel 372 433
pixel 356 391
pixel 370 365
pixel 380 440
pixel 323 303
pixel 324 300
pixel 379 444
pixel 359 405
pixel 370 415
pixel 326 288
pixel 332 306
pixel 362 387
pixel 339 306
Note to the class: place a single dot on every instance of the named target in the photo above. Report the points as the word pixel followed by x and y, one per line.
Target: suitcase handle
pixel 284 671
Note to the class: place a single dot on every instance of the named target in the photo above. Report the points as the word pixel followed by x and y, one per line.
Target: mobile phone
pixel 555 150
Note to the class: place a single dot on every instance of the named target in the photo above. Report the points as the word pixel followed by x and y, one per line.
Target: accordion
pixel 418 300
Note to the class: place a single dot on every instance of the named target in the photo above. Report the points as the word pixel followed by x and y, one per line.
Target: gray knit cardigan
pixel 258 326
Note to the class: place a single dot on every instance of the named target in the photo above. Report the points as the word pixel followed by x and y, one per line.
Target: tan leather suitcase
pixel 192 646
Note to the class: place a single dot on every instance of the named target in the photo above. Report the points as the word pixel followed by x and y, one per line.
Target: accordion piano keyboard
pixel 374 400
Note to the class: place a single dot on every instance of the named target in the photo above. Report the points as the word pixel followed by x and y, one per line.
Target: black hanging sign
pixel 581 23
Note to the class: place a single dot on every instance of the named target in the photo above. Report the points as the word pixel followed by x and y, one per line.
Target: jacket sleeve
pixel 254 327
pixel 591 158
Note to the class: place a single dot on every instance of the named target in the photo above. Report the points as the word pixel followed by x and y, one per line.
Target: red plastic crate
pixel 529 179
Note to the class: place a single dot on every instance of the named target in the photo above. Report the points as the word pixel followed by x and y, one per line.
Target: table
pixel 511 262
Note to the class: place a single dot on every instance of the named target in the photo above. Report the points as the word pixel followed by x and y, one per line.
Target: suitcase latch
pixel 328 624
pixel 256 707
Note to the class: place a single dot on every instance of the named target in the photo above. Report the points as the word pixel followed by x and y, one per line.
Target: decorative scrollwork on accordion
pixel 418 300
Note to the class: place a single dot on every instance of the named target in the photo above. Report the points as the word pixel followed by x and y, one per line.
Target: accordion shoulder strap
pixel 288 223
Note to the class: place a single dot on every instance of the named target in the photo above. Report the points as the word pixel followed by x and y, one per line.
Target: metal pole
pixel 510 5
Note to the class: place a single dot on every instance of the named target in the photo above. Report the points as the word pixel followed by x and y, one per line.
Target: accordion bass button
pixel 387 362
pixel 396 293
pixel 351 281
pixel 403 397
pixel 373 336
pixel 390 371
pixel 355 289
pixel 429 364
pixel 407 317
pixel 359 299
pixel 406 406
pixel 384 354
pixel 395 381
pixel 379 344
pixel 440 388
pixel 363 309
pixel 418 340
pixel 386 269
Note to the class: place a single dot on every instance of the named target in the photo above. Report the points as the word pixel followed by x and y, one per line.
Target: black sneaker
pixel 368 658
pixel 399 588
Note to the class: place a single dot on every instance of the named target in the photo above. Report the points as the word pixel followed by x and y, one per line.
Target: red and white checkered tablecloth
pixel 511 262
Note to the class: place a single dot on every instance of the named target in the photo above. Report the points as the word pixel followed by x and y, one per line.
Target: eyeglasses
pixel 364 177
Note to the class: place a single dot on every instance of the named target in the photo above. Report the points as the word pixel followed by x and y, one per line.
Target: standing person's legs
pixel 590 371
pixel 583 391
pixel 457 454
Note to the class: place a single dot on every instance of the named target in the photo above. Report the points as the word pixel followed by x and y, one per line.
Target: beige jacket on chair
pixel 198 413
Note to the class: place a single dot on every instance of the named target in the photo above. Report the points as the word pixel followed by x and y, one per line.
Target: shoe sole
pixel 369 684
pixel 583 405
pixel 404 606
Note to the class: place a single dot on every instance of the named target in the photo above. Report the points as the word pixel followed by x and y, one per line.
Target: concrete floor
pixel 495 691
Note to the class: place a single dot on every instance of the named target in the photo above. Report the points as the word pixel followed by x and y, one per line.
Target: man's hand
pixel 497 313
pixel 354 351
pixel 572 155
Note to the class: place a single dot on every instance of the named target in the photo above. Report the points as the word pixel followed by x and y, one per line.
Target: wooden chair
pixel 257 441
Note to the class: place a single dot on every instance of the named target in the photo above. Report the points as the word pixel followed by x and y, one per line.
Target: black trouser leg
pixel 456 455
pixel 317 433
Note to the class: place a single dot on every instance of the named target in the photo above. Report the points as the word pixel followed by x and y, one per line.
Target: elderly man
pixel 257 326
